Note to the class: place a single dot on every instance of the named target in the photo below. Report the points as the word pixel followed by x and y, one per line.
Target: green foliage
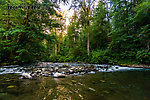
pixel 143 57
pixel 103 57
pixel 127 41
pixel 21 32
pixel 130 33
pixel 122 39
pixel 100 28
pixel 24 44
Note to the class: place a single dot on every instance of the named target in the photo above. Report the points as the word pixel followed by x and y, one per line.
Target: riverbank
pixel 135 66
pixel 61 70
pixel 79 62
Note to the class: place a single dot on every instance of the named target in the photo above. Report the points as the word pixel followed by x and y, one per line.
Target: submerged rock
pixel 11 86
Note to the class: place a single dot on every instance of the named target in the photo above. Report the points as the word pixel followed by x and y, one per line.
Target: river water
pixel 111 83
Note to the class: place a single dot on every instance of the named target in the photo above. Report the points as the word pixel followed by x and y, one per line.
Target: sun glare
pixel 67 14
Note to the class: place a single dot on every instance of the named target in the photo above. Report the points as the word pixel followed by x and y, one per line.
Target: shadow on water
pixel 120 85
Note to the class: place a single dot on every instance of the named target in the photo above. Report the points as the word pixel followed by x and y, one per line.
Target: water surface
pixel 117 85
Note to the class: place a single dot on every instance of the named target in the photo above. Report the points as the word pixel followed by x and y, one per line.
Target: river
pixel 100 82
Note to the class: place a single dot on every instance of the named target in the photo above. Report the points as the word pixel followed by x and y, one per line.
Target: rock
pixel 11 66
pixel 59 75
pixel 79 62
pixel 76 73
pixel 71 71
pixel 46 75
pixel 11 86
pixel 38 71
pixel 91 66
pixel 52 73
pixel 59 70
pixel 86 70
pixel 63 72
pixel 64 65
pixel 83 65
pixel 46 69
pixel 56 68
pixel 91 72
pixel 82 73
pixel 51 69
pixel 92 89
pixel 102 81
pixel 33 74
pixel 38 75
pixel 99 67
pixel 26 76
pixel 73 81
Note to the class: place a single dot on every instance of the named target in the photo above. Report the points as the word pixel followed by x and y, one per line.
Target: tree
pixel 100 28
pixel 126 41
pixel 25 33
pixel 86 7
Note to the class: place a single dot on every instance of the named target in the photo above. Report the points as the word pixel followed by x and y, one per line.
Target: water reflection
pixel 122 84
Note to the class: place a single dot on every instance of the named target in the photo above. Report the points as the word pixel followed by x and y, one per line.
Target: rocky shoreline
pixel 61 70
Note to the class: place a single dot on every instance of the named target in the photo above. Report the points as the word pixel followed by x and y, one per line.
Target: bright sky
pixel 68 13
pixel 65 8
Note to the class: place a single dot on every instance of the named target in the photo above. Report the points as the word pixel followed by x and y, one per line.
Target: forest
pixel 103 32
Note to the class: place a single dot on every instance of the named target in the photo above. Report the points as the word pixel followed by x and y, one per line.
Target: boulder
pixel 26 76
pixel 82 73
pixel 59 75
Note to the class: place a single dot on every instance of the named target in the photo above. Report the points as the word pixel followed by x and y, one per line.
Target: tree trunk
pixel 88 23
pixel 88 37
pixel 88 42
pixel 55 49
pixel 148 43
pixel 60 41
pixel 126 12
pixel 8 27
pixel 55 45
pixel 8 20
pixel 87 14
pixel 26 18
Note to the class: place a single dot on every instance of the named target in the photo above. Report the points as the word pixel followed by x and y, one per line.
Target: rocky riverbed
pixel 60 70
